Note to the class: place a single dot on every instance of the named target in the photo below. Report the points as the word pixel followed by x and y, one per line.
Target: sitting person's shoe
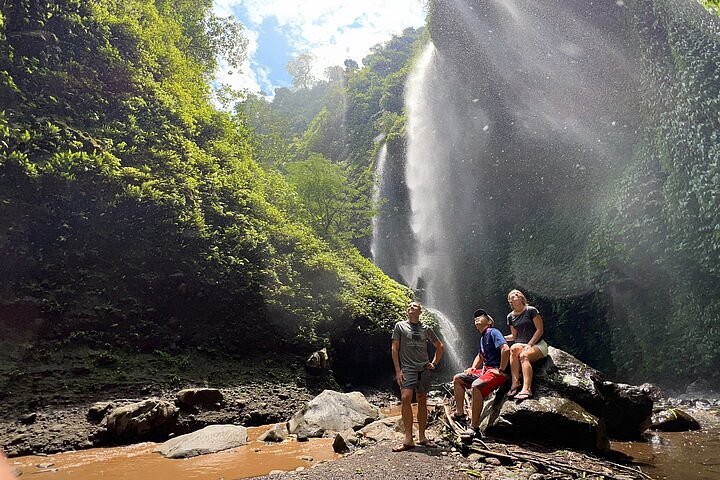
pixel 458 417
pixel 470 434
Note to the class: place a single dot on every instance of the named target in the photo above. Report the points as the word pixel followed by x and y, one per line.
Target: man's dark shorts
pixel 418 380
pixel 487 380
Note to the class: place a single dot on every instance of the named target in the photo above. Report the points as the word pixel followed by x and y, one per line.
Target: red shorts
pixel 487 380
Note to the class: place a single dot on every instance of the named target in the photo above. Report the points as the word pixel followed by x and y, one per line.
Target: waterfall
pixel 451 339
pixel 375 245
pixel 430 185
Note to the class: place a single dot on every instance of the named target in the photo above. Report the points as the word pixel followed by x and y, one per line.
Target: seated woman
pixel 526 330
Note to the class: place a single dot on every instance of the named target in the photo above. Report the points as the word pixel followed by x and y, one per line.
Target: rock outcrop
pixel 333 412
pixel 571 405
pixel 199 397
pixel 214 438
pixel 149 419
pixel 673 420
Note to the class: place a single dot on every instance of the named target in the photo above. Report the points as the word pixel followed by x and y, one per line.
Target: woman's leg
pixel 527 356
pixel 515 365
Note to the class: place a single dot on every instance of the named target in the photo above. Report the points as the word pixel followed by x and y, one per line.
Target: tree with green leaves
pixel 333 205
pixel 300 68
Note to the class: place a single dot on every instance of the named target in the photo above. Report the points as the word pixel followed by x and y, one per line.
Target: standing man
pixel 493 355
pixel 412 371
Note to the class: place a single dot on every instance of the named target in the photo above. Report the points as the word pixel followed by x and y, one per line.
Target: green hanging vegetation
pixel 135 212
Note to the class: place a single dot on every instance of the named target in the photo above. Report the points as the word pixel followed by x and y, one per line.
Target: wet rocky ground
pixel 44 406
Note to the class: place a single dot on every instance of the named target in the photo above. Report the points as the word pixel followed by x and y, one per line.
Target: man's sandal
pixel 428 443
pixel 402 447
pixel 513 391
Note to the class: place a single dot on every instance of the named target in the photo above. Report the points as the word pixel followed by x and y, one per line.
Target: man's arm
pixel 477 361
pixel 439 350
pixel 396 361
pixel 504 357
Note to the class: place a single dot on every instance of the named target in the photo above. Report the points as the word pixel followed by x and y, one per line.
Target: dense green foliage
pixel 330 129
pixel 134 211
pixel 624 261
pixel 669 198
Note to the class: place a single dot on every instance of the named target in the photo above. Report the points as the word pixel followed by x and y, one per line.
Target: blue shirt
pixel 491 341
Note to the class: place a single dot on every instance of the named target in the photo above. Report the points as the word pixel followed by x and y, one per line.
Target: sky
pixel 331 31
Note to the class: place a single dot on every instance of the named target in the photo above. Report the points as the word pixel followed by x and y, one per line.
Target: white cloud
pixel 246 77
pixel 322 29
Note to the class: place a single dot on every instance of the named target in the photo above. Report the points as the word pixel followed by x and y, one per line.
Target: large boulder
pixel 625 409
pixel 149 419
pixel 571 405
pixel 333 412
pixel 550 419
pixel 211 439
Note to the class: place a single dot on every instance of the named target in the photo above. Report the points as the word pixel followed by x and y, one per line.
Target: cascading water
pixel 452 339
pixel 431 183
pixel 543 154
pixel 378 232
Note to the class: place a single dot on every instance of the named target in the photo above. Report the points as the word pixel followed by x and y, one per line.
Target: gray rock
pixel 350 437
pixel 98 410
pixel 211 439
pixel 673 420
pixel 333 412
pixel 624 409
pixel 29 418
pixel 199 397
pixel 379 430
pixel 550 419
pixel 277 433
pixel 148 419
pixel 318 361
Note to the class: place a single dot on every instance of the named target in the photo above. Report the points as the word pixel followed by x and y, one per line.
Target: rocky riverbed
pixel 45 407
pixel 67 405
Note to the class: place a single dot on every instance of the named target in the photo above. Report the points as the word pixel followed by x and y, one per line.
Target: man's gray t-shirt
pixel 413 344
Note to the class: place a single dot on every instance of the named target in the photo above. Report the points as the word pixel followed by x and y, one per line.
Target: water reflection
pixel 140 462
pixel 680 455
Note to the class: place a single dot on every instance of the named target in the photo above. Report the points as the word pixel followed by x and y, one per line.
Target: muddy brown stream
pixel 666 456
pixel 680 455
pixel 139 462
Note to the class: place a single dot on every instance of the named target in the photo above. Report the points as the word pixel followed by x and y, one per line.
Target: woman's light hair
pixel 519 293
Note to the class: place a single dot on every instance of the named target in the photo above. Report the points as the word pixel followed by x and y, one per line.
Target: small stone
pixel 537 476
pixel 276 472
pixel 307 458
pixel 299 469
pixel 45 465
pixel 29 418
pixel 493 461
pixel 475 457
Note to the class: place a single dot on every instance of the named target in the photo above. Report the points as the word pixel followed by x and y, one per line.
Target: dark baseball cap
pixel 482 313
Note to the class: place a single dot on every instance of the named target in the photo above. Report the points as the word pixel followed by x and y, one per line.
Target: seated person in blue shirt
pixel 493 355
